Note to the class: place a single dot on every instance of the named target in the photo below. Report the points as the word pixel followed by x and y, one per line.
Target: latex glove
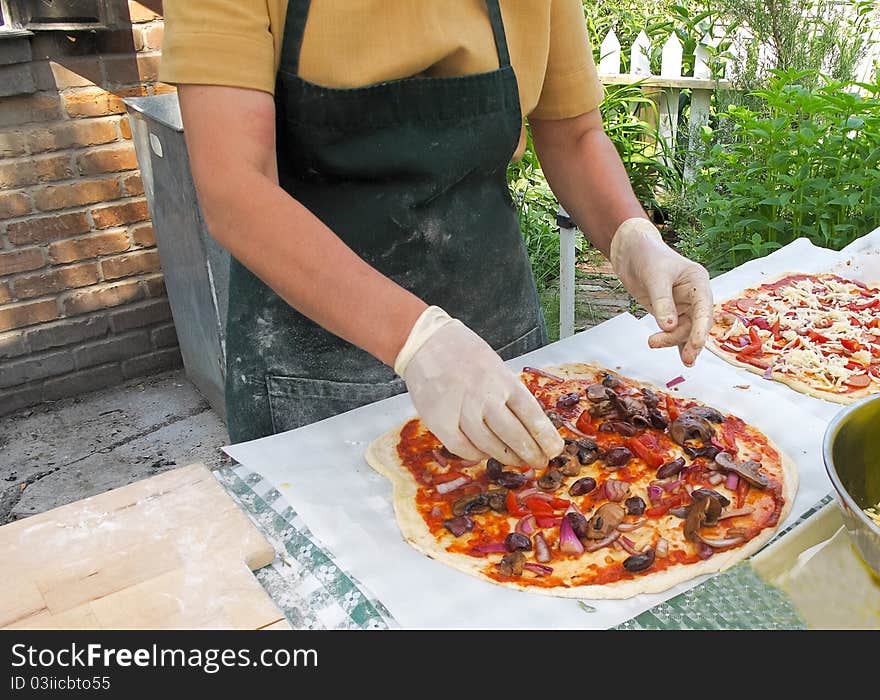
pixel 674 289
pixel 469 398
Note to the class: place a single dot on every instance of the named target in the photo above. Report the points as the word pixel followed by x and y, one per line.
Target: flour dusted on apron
pixel 411 175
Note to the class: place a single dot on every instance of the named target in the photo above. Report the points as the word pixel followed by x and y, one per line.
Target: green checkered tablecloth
pixel 314 592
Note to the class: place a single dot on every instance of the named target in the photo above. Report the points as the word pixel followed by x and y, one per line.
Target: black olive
pixel 578 523
pixel 679 512
pixel 493 469
pixel 551 480
pixel 459 525
pixel 651 399
pixel 497 500
pixel 657 419
pixel 586 457
pixel 610 381
pixel 670 468
pixel 582 486
pixel 634 505
pixel 469 505
pixel 516 542
pixel 512 564
pixel 512 480
pixel 568 400
pixel 557 461
pixel 707 451
pixel 620 427
pixel 617 457
pixel 639 562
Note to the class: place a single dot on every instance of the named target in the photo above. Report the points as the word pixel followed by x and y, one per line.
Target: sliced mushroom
pixel 588 451
pixel 651 399
pixel 512 564
pixel 497 500
pixel 512 480
pixel 551 480
pixel 571 468
pixel 749 470
pixel 605 520
pixel 596 393
pixel 470 505
pixel 711 493
pixel 604 408
pixel 568 400
pixel 696 518
pixel 707 412
pixel 555 418
pixel 620 427
pixel 657 419
pixel 690 427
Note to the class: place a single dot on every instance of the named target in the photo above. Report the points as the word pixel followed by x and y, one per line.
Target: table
pixel 347 566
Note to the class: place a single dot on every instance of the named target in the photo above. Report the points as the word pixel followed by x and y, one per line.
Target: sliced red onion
pixel 732 481
pixel 568 541
pixel 768 373
pixel 662 548
pixel 452 485
pixel 743 341
pixel 735 513
pixel 715 478
pixel 531 491
pixel 629 527
pixel 439 458
pixel 548 521
pixel 542 549
pixel 598 544
pixel 616 490
pixel 542 373
pixel 673 382
pixel 526 526
pixel 539 569
pixel 470 462
pixel 704 551
pixel 628 544
pixel 672 485
pixel 568 424
pixel 491 548
pixel 726 542
pixel 655 493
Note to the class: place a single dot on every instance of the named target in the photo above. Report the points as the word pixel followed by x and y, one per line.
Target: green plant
pixel 805 165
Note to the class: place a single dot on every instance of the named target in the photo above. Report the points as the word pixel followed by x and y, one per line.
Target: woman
pixel 351 156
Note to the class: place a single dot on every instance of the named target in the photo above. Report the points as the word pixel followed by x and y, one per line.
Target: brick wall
pixel 82 299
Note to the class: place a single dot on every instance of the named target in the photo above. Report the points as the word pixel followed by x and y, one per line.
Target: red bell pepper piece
pixel 816 336
pixel 560 503
pixel 641 450
pixel 752 349
pixel 538 506
pixel 547 521
pixel 671 408
pixel 742 490
pixel 850 344
pixel 513 506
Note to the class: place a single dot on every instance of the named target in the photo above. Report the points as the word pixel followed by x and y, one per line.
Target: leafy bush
pixel 807 165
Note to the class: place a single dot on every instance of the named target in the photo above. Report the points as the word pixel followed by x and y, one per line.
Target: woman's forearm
pixel 586 175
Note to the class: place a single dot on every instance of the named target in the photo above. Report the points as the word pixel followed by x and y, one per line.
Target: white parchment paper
pixel 321 471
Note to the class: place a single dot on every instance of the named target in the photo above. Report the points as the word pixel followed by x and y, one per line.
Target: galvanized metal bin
pixel 196 267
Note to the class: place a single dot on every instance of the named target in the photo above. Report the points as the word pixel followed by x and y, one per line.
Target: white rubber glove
pixel 475 405
pixel 674 289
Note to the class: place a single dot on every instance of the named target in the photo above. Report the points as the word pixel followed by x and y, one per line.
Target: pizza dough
pixel 411 496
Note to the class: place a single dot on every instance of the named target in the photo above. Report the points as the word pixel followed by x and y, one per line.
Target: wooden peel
pixel 169 552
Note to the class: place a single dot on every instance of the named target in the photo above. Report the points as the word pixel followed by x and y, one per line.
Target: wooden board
pixel 169 552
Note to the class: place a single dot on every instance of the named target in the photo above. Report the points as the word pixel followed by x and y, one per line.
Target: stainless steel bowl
pixel 851 449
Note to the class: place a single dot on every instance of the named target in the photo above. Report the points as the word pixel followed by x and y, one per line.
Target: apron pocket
pixel 532 340
pixel 297 401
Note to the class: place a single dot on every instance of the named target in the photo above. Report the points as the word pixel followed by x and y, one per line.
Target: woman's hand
pixel 674 289
pixel 475 405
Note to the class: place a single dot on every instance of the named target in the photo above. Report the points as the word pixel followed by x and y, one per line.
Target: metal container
pixel 196 268
pixel 852 458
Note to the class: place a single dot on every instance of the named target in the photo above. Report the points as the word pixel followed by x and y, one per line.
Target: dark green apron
pixel 411 175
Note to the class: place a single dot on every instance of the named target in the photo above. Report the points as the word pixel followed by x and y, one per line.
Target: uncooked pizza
pixel 819 334
pixel 652 489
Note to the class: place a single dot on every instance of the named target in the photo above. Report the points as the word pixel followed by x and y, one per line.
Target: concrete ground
pixel 66 450
pixel 70 449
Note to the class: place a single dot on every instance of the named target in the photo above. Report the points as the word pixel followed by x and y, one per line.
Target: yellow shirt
pixel 352 43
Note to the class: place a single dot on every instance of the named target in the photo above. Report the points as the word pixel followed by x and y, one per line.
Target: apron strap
pixel 498 32
pixel 298 13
